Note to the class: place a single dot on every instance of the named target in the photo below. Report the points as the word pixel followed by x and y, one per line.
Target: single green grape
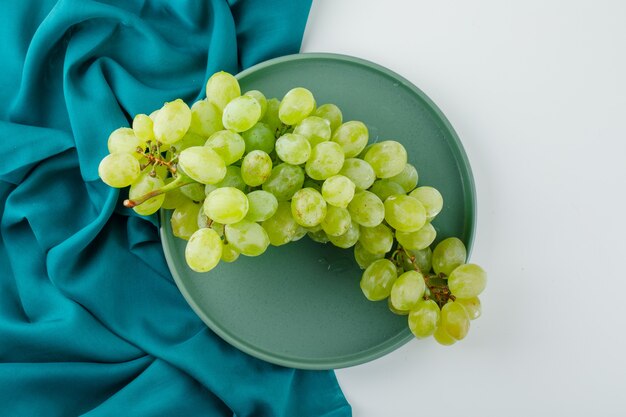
pixel 422 259
pixel 119 170
pixel 293 148
pixel 360 172
pixel 467 281
pixel 281 227
pixel 202 164
pixel 395 310
pixel 404 213
pixel 190 139
pixel 206 118
pixel 259 137
pixel 338 190
pixel 319 236
pixel 314 129
pixel 256 168
pixel 378 279
pixel 284 181
pixel 203 250
pixel 172 122
pixel 417 240
pixel 337 221
pixel 332 113
pixel 300 233
pixel 229 145
pixel 221 88
pixel 325 161
pixel 424 318
pixel 297 104
pixel 232 178
pixel 184 220
pixel 448 254
pixel 241 113
pixel 226 205
pixel 271 116
pixel 363 257
pixel 367 209
pixel 388 158
pixel 352 136
pixel 260 98
pixel 142 186
pixel 348 239
pixel 408 290
pixel 377 239
pixel 472 306
pixel 247 237
pixel 143 126
pixel 430 198
pixel 193 191
pixel 174 198
pixel 386 188
pixel 310 183
pixel 407 178
pixel 442 337
pixel 124 140
pixel 308 207
pixel 455 320
pixel 229 253
pixel 262 205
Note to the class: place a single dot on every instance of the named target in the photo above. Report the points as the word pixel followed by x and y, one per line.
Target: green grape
pixel 259 137
pixel 206 118
pixel 388 158
pixel 407 178
pixel 256 168
pixel 424 318
pixel 365 258
pixel 218 227
pixel 360 172
pixel 153 116
pixel 422 260
pixel 142 186
pixel 404 213
pixel 319 236
pixel 143 126
pixel 331 113
pixel 284 181
pixel 308 207
pixel 315 228
pixel 417 240
pixel 297 104
pixel 184 220
pixel 430 198
pixel 190 139
pixel 314 129
pixel 348 239
pixel 377 239
pixel 310 183
pixel 193 191
pixel 241 113
pixel 442 337
pixel 352 136
pixel 271 115
pixel 119 170
pixel 386 188
pixel 226 205
pixel 229 253
pixel 203 250
pixel 124 140
pixel 173 198
pixel 472 306
pixel 293 148
pixel 221 88
pixel 467 281
pixel 233 178
pixel 367 209
pixel 300 233
pixel 261 206
pixel 202 164
pixel 408 290
pixel 338 190
pixel 281 227
pixel 203 220
pixel 455 320
pixel 172 122
pixel 260 98
pixel 365 151
pixel 337 221
pixel 247 237
pixel 395 310
pixel 229 145
pixel 448 254
pixel 209 188
pixel 325 161
pixel 378 279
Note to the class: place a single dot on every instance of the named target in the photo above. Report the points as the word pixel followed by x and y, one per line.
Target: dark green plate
pixel 300 305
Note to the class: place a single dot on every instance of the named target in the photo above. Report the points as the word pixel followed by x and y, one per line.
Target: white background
pixel 536 91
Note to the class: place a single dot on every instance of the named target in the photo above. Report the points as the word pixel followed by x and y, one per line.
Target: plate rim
pixel 390 345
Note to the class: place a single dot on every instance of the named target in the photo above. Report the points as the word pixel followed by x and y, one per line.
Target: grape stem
pixel 153 155
pixel 180 181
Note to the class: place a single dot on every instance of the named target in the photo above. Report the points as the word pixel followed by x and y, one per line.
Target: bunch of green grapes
pixel 242 172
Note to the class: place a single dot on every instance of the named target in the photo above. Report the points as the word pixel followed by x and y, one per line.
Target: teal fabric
pixel 91 322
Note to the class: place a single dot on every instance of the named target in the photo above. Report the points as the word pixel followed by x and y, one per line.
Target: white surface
pixel 537 93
